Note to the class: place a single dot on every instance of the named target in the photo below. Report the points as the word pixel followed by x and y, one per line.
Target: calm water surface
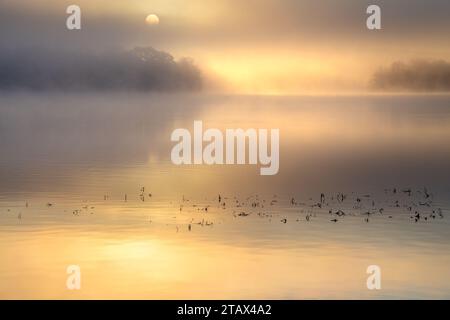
pixel 86 179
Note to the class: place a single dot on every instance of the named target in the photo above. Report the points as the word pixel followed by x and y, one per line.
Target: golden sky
pixel 257 46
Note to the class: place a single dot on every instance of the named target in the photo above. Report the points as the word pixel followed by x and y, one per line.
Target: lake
pixel 87 179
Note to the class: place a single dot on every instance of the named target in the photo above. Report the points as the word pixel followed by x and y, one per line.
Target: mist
pixel 418 75
pixel 139 69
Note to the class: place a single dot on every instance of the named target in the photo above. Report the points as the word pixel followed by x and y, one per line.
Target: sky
pixel 253 46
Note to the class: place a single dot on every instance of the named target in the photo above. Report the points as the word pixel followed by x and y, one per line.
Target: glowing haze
pixel 253 46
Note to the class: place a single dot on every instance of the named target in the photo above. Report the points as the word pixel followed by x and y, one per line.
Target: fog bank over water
pixel 140 69
pixel 415 76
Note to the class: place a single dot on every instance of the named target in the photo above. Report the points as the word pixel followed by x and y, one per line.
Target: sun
pixel 152 19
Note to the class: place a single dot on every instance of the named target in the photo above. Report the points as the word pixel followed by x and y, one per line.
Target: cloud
pixel 418 75
pixel 141 69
